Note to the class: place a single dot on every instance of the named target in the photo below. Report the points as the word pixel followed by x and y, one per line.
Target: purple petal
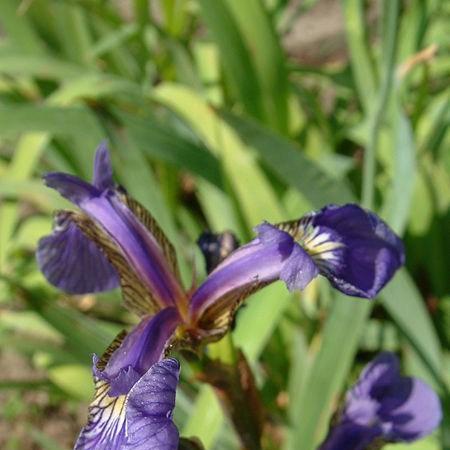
pixel 103 173
pixel 216 247
pixel 353 248
pixel 142 348
pixel 72 262
pixel 271 256
pixel 298 270
pixel 254 264
pixel 149 409
pixel 142 420
pixel 404 408
pixel 71 187
pixel 350 436
pixel 413 411
pixel 137 244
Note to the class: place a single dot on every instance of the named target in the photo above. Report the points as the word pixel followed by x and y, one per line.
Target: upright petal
pixel 72 262
pixel 353 248
pixel 216 247
pixel 103 173
pixel 149 409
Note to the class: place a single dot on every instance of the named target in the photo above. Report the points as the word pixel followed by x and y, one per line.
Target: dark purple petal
pixel 72 262
pixel 142 348
pixel 350 436
pixel 269 257
pixel 216 247
pixel 149 409
pixel 103 173
pixel 71 187
pixel 403 408
pixel 353 248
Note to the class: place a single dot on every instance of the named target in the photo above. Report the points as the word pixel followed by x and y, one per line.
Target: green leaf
pixel 269 61
pixel 235 56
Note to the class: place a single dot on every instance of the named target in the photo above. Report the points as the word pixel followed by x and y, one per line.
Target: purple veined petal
pixel 353 248
pixel 140 349
pixel 137 421
pixel 272 255
pixel 149 409
pixel 103 173
pixel 106 427
pixel 72 262
pixel 138 245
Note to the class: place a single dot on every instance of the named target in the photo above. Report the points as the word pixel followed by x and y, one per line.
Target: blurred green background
pixel 220 114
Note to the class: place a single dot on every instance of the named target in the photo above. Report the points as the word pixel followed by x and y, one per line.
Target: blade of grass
pixel 259 33
pixel 362 65
pixel 235 56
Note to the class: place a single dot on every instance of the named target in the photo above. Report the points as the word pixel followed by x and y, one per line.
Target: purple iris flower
pixel 114 241
pixel 384 406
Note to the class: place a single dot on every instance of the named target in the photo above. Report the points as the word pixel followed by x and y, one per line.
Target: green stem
pixel 390 11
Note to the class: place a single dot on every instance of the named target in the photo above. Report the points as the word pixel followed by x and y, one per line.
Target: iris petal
pixel 140 420
pixel 72 262
pixel 353 248
pixel 103 173
pixel 149 409
pixel 386 406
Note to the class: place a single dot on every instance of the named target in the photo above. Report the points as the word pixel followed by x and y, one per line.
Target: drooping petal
pixel 140 349
pixel 271 256
pixel 103 173
pixel 72 262
pixel 149 409
pixel 353 248
pixel 140 420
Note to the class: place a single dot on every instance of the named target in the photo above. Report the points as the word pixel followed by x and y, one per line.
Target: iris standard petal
pixel 140 349
pixel 149 409
pixel 103 173
pixel 352 247
pixel 216 247
pixel 137 421
pixel 72 262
